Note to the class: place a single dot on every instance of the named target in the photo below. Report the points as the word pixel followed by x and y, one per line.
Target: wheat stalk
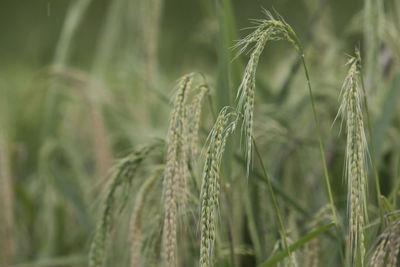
pixel 269 29
pixel 356 151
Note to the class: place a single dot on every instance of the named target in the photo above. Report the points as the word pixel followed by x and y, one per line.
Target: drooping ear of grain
pixel 272 29
pixel 269 29
pixel 210 187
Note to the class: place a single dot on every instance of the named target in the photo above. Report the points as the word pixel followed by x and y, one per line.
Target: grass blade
pixel 298 244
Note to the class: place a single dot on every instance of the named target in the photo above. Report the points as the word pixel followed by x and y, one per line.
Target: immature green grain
pixel 122 178
pixel 176 168
pixel 269 29
pixel 356 150
pixel 210 188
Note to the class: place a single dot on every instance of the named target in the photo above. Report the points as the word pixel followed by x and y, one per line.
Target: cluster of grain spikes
pixel 388 247
pixel 356 153
pixel 123 175
pixel 269 29
pixel 182 140
pixel 210 187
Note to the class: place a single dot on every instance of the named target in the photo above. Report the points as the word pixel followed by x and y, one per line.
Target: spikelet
pixel 123 175
pixel 356 151
pixel 269 29
pixel 388 247
pixel 210 187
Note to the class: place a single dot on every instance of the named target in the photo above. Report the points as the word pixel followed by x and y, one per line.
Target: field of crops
pixel 200 133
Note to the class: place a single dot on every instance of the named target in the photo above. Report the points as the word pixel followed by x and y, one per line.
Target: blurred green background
pixel 85 82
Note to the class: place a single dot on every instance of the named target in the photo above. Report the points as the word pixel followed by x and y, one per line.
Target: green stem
pixel 278 214
pixel 321 148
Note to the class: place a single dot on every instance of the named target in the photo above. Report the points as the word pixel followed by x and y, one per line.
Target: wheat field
pixel 200 133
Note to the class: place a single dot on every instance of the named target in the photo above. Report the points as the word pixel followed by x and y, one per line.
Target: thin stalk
pixel 321 146
pixel 322 151
pixel 308 37
pixel 278 214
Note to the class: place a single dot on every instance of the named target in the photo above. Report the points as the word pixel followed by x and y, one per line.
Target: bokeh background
pixel 85 82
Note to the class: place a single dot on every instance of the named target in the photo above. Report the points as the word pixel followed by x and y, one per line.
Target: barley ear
pixel 356 152
pixel 210 188
pixel 176 171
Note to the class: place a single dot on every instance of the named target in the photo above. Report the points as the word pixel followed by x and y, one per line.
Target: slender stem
pixel 278 214
pixel 321 148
